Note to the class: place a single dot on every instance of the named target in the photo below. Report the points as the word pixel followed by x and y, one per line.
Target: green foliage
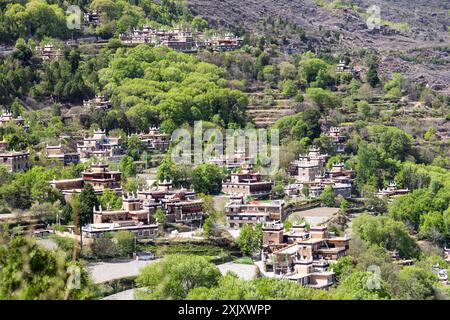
pixel 250 238
pixel 158 85
pixel 327 197
pixel 301 125
pixel 426 210
pixel 110 199
pixel 207 179
pixel 364 109
pixel 127 166
pixel 354 287
pixel 342 268
pixel 31 272
pixel 160 217
pixel 230 287
pixel 175 276
pixel 387 233
pixel 415 283
pixel 104 247
pixel 208 227
pixel 85 204
pixel 30 186
pixel 369 165
pixel 310 68
pixel 396 143
pixel 323 98
pixel 125 243
pixel 372 76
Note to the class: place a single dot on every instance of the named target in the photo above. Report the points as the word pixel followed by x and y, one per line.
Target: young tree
pixel 86 202
pixel 327 197
pixel 208 227
pixel 127 166
pixel 125 243
pixel 160 217
pixel 372 76
pixel 110 199
pixel 250 238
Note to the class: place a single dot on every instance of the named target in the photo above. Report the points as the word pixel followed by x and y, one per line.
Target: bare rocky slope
pixel 415 40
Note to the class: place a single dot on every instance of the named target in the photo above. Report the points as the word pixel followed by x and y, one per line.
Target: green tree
pixel 415 283
pixel 354 287
pixel 125 243
pixel 127 166
pixel 327 197
pixel 43 273
pixel 364 110
pixel 207 179
pixel 110 199
pixel 85 203
pixel 175 276
pixel 250 238
pixel 160 217
pixel 208 227
pixel 372 76
pixel 387 233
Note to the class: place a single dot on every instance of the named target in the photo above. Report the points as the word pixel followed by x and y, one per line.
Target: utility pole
pixel 75 230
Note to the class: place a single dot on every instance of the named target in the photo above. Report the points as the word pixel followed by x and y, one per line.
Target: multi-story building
pixel 56 153
pixel 177 39
pixel 309 165
pixel 338 139
pixel 49 52
pixel 301 255
pixel 339 178
pixel 311 174
pixel 7 117
pixel 342 66
pixel 100 146
pixel 98 102
pixel 391 191
pixel 155 139
pixel 132 209
pixel 91 18
pixel 13 161
pixel 247 182
pixel 239 211
pixel 179 205
pixel 139 229
pixel 231 162
pixel 228 42
pixel 98 176
pixel 133 217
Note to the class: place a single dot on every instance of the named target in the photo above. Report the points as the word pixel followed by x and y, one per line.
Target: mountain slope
pixel 414 41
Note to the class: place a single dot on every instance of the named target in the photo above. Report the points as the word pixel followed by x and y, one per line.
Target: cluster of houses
pixel 137 212
pixel 311 173
pixel 180 39
pixel 103 147
pixel 301 255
